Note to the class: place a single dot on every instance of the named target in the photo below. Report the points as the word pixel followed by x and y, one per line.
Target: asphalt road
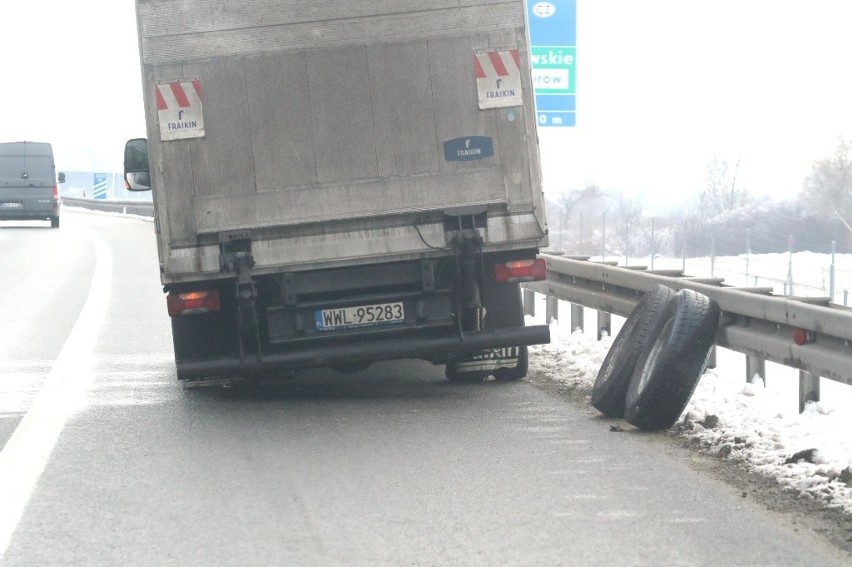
pixel 107 460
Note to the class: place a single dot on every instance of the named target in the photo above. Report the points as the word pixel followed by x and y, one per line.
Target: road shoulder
pixel 801 514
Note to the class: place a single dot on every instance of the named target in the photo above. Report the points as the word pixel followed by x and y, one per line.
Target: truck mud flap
pixel 372 351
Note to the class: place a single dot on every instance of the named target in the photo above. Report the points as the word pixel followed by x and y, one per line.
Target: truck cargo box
pixel 337 132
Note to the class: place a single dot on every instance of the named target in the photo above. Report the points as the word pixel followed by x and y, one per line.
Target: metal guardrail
pixel 810 334
pixel 806 333
pixel 139 208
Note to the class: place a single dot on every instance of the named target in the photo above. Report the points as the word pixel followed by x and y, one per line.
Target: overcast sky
pixel 666 86
pixel 663 88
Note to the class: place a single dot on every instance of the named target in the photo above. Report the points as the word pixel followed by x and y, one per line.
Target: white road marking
pixel 26 453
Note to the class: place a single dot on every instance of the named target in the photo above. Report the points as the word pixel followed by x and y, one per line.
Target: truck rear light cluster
pixel 520 271
pixel 192 302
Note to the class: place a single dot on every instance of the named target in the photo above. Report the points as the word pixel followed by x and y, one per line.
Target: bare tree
pixel 630 235
pixel 721 194
pixel 829 186
pixel 570 199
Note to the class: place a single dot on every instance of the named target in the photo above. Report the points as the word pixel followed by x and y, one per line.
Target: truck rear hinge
pixel 462 229
pixel 235 257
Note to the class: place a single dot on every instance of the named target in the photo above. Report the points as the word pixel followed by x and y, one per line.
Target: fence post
pixel 576 317
pixel 712 255
pixel 604 324
pixel 653 243
pixel 748 252
pixel 832 271
pixel 755 365
pixel 529 302
pixel 790 267
pixel 551 311
pixel 808 389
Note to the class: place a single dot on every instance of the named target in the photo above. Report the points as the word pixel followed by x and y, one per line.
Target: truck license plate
pixel 359 316
pixel 11 205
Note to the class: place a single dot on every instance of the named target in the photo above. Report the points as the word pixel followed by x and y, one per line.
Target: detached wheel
pixel 610 389
pixel 670 365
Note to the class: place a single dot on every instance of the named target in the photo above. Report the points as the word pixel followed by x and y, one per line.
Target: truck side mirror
pixel 137 172
pixel 61 177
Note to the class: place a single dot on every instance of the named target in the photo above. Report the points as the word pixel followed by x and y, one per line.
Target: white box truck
pixel 337 183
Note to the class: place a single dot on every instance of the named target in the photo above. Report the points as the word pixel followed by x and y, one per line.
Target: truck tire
pixel 454 371
pixel 516 360
pixel 671 364
pixel 512 374
pixel 610 389
pixel 54 222
pixel 504 308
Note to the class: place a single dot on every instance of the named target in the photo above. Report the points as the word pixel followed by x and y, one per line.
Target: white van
pixel 28 182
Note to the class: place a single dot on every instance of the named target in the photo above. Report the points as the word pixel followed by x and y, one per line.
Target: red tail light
pixel 521 271
pixel 192 302
pixel 56 192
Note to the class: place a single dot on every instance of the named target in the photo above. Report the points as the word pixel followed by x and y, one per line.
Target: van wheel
pixel 671 364
pixel 54 222
pixel 610 389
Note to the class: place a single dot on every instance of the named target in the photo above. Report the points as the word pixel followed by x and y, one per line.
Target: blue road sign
pixel 100 186
pixel 553 54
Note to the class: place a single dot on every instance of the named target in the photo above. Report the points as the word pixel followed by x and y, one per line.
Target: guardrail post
pixel 604 324
pixel 576 317
pixel 755 365
pixel 529 302
pixel 551 311
pixel 808 389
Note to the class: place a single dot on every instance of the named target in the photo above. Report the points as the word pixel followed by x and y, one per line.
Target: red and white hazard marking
pixel 179 110
pixel 498 78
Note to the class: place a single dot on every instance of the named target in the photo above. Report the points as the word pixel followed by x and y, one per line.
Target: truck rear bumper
pixel 372 351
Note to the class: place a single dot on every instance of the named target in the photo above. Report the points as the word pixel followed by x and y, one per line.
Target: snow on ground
pixel 756 425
